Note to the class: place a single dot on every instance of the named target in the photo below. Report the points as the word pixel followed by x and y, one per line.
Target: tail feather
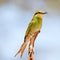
pixel 21 50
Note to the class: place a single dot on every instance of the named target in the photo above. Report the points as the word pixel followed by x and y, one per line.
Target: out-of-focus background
pixel 15 16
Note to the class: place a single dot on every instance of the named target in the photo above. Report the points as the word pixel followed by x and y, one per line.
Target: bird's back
pixel 34 26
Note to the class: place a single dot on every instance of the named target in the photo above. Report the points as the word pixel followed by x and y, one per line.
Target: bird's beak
pixel 44 13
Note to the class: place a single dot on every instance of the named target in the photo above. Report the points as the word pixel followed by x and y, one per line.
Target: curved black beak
pixel 44 13
pixel 40 13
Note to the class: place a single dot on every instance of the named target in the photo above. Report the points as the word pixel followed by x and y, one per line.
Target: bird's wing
pixel 29 28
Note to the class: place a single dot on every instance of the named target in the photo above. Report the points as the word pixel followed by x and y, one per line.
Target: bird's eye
pixel 37 13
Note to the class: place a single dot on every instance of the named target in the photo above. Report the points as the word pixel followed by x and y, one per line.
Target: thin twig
pixel 31 47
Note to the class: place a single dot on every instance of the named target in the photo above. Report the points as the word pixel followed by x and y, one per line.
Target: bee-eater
pixel 33 29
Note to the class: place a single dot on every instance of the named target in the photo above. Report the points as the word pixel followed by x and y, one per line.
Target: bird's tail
pixel 21 50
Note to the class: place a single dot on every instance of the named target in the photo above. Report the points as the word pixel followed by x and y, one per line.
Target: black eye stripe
pixel 38 13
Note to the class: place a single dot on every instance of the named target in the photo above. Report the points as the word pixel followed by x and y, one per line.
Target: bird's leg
pixel 31 46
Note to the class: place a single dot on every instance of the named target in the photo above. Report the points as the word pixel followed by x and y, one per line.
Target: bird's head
pixel 40 13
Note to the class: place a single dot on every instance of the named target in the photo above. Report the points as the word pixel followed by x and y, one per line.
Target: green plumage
pixel 34 26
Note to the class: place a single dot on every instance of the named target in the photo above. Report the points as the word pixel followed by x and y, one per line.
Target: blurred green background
pixel 15 16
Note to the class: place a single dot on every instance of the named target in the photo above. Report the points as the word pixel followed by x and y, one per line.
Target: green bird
pixel 33 28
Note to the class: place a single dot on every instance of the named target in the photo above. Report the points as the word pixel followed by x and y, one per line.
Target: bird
pixel 32 31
